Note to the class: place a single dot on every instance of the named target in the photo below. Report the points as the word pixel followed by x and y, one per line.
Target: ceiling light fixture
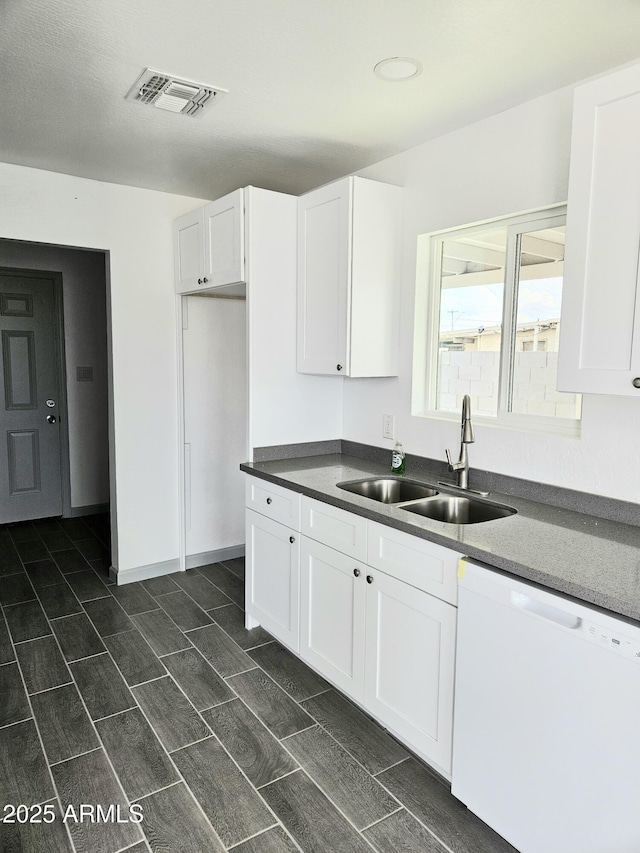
pixel 396 69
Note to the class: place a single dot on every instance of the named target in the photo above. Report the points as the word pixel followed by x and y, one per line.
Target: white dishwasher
pixel 546 743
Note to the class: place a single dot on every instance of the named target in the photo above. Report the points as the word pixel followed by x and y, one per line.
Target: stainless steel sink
pixel 426 501
pixel 388 490
pixel 459 510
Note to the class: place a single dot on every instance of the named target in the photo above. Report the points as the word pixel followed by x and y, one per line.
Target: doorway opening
pixel 68 288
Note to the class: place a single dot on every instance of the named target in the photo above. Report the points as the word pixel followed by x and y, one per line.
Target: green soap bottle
pixel 397 459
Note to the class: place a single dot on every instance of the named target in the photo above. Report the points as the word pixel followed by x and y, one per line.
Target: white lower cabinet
pixel 377 618
pixel 386 644
pixel 273 570
pixel 332 615
pixel 409 665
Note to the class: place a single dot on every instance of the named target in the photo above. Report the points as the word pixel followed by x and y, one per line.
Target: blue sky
pixel 481 305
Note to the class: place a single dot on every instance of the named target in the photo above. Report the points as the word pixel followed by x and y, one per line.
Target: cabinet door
pixel 188 251
pixel 224 240
pixel 324 219
pixel 332 600
pixel 409 666
pixel 272 582
pixel 600 338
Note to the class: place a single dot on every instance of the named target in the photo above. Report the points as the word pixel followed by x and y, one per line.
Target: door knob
pixel 51 419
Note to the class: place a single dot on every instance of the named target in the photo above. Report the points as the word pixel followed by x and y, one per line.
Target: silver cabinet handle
pixel 338 367
pixel 636 382
pixel 356 572
pixel 292 539
pixel 268 500
pixel 369 578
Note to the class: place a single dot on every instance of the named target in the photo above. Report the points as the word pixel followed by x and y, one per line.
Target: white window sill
pixel 535 424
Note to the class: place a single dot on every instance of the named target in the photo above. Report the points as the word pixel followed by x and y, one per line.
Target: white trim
pixel 555 209
pixel 512 421
pixel 89 509
pixel 156 570
pixel 181 318
pixel 217 556
pixel 427 324
pixel 143 573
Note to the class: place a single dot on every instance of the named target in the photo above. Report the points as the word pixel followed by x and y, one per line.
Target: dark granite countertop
pixel 592 559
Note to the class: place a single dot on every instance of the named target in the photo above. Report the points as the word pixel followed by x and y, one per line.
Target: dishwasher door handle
pixel 546 611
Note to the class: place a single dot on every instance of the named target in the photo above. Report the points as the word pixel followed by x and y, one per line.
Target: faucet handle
pixel 455 466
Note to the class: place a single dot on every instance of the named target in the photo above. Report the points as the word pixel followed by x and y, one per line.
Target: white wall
pixel 85 331
pixel 134 226
pixel 512 162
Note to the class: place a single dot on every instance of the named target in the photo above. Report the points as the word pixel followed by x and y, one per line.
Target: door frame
pixel 61 374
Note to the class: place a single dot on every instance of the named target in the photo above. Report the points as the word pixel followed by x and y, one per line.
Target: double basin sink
pixel 426 501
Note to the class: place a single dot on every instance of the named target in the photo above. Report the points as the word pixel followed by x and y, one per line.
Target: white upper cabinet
pixel 188 251
pixel 349 265
pixel 600 339
pixel 224 240
pixel 209 245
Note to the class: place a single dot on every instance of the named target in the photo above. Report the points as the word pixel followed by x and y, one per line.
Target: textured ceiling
pixel 304 106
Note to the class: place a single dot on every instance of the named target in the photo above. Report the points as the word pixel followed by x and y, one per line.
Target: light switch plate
pixel 84 374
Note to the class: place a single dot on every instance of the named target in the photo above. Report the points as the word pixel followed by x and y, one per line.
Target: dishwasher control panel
pixel 612 640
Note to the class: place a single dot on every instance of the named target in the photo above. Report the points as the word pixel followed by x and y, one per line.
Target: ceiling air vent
pixel 174 94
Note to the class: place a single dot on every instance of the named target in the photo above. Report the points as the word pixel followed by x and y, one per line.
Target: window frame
pixel 427 323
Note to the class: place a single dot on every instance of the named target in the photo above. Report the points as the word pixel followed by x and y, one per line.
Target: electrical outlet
pixel 388 426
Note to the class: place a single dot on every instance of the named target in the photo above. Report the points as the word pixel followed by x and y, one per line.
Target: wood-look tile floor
pixel 154 695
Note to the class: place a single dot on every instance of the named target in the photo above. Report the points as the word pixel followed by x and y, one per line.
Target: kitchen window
pixel 488 318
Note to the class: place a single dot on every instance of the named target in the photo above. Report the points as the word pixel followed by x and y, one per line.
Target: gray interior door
pixel 30 460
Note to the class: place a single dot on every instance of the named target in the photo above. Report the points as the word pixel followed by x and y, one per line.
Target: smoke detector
pixel 166 92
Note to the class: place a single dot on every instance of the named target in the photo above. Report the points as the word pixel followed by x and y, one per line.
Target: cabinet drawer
pixel 273 501
pixel 415 561
pixel 334 527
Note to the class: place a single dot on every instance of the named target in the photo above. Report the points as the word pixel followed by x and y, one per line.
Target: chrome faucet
pixel 461 467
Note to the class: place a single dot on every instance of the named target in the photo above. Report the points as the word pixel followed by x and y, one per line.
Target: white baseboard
pixel 144 573
pixel 218 556
pixel 91 509
pixel 156 570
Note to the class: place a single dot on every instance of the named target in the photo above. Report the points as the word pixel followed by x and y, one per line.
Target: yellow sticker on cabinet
pixel 461 565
